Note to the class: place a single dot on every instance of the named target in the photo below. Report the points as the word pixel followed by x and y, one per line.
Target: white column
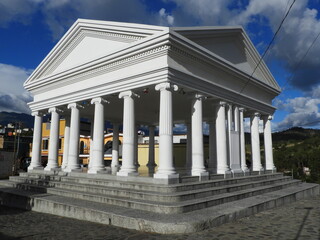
pixel 242 142
pixel 128 167
pixel 268 143
pixel 73 156
pixel 212 165
pixel 229 129
pixel 91 142
pixel 36 142
pixel 115 146
pixel 236 118
pixel 66 142
pixel 54 140
pixel 255 143
pixel 97 161
pixel 189 148
pixel 198 167
pixel 151 161
pixel 136 160
pixel 166 168
pixel 221 138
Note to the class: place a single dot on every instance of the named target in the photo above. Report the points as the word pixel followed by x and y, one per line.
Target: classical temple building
pixel 134 74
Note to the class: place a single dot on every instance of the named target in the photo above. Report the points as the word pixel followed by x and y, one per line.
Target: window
pixel 60 143
pixel 45 144
pixel 81 147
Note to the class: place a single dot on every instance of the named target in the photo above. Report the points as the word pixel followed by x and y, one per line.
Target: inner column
pixel 255 143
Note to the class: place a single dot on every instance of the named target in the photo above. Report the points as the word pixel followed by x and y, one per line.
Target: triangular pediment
pixel 88 41
pixel 231 44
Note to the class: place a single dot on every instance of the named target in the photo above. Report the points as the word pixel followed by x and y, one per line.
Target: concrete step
pixel 165 197
pixel 154 222
pixel 117 182
pixel 171 207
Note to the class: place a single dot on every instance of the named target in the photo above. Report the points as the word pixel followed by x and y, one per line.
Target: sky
pixel 29 29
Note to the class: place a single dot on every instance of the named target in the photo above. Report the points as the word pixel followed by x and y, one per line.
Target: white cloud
pixel 302 111
pixel 165 18
pixel 13 97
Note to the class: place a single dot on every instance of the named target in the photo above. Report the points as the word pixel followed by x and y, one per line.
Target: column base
pixel 166 175
pixel 76 169
pixel 35 168
pixel 96 170
pixel 48 168
pixel 246 171
pixel 126 174
pixel 200 173
pixel 237 173
pixel 271 169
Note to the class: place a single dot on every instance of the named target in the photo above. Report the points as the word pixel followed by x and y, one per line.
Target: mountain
pixel 295 133
pixel 12 117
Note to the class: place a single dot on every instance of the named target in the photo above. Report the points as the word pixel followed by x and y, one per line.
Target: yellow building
pixel 84 144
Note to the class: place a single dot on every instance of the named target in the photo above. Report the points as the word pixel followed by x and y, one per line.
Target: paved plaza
pixel 299 220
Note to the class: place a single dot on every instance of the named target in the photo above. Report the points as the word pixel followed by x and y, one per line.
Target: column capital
pixel 166 86
pixel 55 109
pixel 220 103
pixel 74 105
pixel 242 109
pixel 267 117
pixel 129 93
pixel 255 114
pixel 37 113
pixel 99 100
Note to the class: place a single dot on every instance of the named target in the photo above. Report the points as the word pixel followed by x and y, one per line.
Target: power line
pixel 268 47
pixel 301 60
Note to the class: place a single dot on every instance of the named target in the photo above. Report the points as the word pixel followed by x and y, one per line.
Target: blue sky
pixel 29 29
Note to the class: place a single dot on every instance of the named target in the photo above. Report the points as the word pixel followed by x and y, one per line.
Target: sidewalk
pixel 299 220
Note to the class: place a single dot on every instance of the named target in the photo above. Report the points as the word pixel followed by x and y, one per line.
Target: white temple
pixel 134 74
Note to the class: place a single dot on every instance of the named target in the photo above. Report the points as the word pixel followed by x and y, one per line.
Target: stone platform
pixel 143 204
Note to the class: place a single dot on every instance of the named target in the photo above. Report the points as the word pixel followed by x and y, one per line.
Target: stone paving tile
pixel 299 220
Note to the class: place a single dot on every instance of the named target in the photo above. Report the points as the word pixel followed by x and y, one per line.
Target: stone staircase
pixel 142 203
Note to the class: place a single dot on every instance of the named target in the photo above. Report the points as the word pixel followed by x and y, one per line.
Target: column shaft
pixel 97 163
pixel 197 137
pixel 189 148
pixel 212 164
pixel 36 142
pixel 54 140
pixel 268 143
pixel 73 156
pixel 255 143
pixel 151 161
pixel 166 167
pixel 128 167
pixel 66 142
pixel 221 138
pixel 242 142
pixel 115 146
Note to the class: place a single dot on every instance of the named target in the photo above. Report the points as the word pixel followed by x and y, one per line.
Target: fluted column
pixel 268 143
pixel 166 167
pixel 229 129
pixel 242 142
pixel 128 167
pixel 73 156
pixel 189 148
pixel 221 138
pixel 66 142
pixel 36 142
pixel 212 164
pixel 115 146
pixel 136 160
pixel 97 161
pixel 91 142
pixel 198 167
pixel 255 143
pixel 54 140
pixel 151 161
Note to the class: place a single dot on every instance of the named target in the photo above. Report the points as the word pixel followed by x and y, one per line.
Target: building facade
pixel 134 74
